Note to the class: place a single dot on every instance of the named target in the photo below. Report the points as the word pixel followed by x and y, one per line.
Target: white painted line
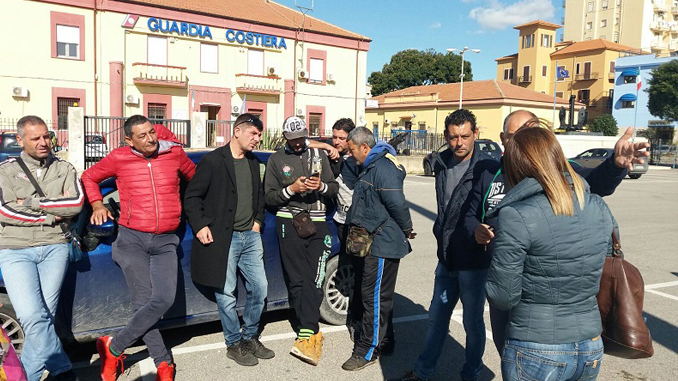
pixel 147 369
pixel 660 285
pixel 663 294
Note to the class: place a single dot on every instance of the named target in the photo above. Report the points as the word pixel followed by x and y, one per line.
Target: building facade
pixel 424 108
pixel 631 101
pixel 590 65
pixel 169 58
pixel 650 25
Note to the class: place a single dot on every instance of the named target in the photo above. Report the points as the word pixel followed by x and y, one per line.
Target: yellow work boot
pixel 317 341
pixel 304 349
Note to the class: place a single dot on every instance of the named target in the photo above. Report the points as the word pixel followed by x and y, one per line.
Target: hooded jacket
pixel 379 203
pixel 546 269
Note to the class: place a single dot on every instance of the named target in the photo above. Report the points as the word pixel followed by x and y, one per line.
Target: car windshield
pixel 94 139
pixel 9 143
pixel 488 146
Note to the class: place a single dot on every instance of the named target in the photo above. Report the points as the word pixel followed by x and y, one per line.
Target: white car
pixel 95 147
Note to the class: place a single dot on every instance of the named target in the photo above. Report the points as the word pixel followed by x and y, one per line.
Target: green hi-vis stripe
pixel 305 333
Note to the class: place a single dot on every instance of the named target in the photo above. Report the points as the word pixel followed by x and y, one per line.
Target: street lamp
pixel 461 76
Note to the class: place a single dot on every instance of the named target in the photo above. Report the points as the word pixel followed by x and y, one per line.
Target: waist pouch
pixel 359 241
pixel 304 225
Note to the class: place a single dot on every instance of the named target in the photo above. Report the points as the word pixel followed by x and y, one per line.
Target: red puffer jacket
pixel 148 187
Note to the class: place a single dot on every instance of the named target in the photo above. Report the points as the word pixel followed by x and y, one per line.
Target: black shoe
pixel 357 362
pixel 68 375
pixel 387 348
pixel 240 353
pixel 409 376
pixel 258 349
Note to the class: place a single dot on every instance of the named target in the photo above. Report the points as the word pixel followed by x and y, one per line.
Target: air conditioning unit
pixel 300 112
pixel 387 121
pixel 302 74
pixel 20 92
pixel 330 77
pixel 132 99
pixel 270 70
pixel 236 109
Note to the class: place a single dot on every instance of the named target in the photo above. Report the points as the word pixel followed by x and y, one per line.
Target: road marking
pixel 660 285
pixel 663 294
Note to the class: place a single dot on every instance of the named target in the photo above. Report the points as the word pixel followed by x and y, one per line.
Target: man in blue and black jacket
pixel 489 189
pixel 379 207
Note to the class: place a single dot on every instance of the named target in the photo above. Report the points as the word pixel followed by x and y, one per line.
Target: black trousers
pixel 499 320
pixel 377 279
pixel 304 266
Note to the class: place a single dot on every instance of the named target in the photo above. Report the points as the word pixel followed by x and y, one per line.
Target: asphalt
pixel 646 209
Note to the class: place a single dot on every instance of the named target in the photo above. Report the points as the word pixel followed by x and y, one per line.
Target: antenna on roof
pixel 303 9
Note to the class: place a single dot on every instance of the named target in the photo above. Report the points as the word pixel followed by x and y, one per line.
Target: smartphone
pixel 315 174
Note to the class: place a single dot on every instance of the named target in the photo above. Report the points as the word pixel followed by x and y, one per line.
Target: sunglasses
pixel 254 122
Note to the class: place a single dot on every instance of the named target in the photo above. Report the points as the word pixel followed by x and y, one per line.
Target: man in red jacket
pixel 148 175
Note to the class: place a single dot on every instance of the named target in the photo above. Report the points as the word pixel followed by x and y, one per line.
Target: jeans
pixel 450 286
pixel 247 255
pixel 33 278
pixel 524 360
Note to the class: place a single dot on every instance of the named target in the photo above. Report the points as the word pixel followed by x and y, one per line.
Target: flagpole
pixel 635 109
pixel 555 83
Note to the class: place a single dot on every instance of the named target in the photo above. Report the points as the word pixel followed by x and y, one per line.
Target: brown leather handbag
pixel 620 301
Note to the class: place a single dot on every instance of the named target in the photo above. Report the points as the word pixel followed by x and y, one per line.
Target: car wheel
pixel 428 171
pixel 337 287
pixel 635 176
pixel 12 327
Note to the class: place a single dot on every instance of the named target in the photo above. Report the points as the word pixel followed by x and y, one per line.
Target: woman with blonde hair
pixel 551 240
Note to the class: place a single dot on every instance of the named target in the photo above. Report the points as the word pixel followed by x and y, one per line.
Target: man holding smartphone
pixel 300 184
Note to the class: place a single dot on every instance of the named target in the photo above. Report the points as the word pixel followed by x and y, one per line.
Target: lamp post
pixel 461 76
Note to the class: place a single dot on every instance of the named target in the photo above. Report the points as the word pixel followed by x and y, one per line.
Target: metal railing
pixel 525 79
pixel 415 142
pixel 61 135
pixel 218 132
pixel 586 76
pixel 166 75
pixel 258 83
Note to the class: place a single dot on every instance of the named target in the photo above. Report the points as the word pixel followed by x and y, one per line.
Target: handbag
pixel 359 241
pixel 620 301
pixel 74 241
pixel 304 225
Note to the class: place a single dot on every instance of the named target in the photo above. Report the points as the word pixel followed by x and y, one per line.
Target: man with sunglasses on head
pixel 225 207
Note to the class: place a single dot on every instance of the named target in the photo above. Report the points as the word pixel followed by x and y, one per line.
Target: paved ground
pixel 647 210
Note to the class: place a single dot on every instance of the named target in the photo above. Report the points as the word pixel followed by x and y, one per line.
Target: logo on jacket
pixel 287 170
pixel 495 195
pixel 328 240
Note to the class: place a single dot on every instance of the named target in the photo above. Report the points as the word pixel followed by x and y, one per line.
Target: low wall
pixel 412 164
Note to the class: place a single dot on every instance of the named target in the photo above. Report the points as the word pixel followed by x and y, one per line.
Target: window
pixel 583 96
pixel 528 41
pixel 255 62
pixel 508 74
pixel 546 41
pixel 526 74
pixel 422 126
pixel 616 37
pixel 209 58
pixel 604 4
pixel 577 68
pixel 612 66
pixel 68 41
pixel 157 50
pixel 62 111
pixel 544 71
pixel 590 8
pixel 157 111
pixel 603 23
pixel 314 121
pixel 628 104
pixel 315 70
pixel 559 94
pixel 629 79
pixel 589 25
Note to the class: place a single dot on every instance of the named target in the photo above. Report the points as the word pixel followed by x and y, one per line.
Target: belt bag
pixel 359 241
pixel 303 224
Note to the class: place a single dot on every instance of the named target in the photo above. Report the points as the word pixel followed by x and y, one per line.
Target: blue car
pixel 95 301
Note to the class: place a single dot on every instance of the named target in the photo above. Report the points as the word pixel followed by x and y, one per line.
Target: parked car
pixel 95 300
pixel 486 145
pixel 9 146
pixel 593 157
pixel 95 147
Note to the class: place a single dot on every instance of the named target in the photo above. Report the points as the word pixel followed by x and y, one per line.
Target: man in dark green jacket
pixel 379 207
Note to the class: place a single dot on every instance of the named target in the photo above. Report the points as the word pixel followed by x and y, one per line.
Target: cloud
pixel 498 15
pixel 435 25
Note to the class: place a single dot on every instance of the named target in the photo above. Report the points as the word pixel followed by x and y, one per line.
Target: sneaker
pixel 357 362
pixel 109 363
pixel 240 353
pixel 318 339
pixel 68 375
pixel 409 376
pixel 258 349
pixel 165 372
pixel 386 348
pixel 304 350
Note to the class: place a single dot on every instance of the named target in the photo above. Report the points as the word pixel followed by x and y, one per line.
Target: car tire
pixel 11 325
pixel 428 171
pixel 337 287
pixel 635 176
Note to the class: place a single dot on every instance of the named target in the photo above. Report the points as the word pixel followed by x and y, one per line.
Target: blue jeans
pixel 524 360
pixel 450 286
pixel 247 255
pixel 33 278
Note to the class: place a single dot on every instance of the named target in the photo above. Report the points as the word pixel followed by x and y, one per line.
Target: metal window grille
pixel 62 111
pixel 314 124
pixel 157 110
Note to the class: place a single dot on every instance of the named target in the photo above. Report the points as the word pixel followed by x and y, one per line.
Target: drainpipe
pixel 96 75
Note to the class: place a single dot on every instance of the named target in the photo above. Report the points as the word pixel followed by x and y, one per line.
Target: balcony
pixel 661 7
pixel 586 77
pixel 660 26
pixel 258 84
pixel 674 10
pixel 674 28
pixel 525 79
pixel 583 101
pixel 610 76
pixel 159 75
pixel 657 45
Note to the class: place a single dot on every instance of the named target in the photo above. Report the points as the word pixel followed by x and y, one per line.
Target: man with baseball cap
pixel 300 184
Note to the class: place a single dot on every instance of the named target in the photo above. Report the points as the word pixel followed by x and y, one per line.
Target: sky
pixel 395 25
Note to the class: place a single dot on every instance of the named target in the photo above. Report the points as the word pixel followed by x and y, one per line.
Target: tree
pixel 606 124
pixel 418 67
pixel 663 91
